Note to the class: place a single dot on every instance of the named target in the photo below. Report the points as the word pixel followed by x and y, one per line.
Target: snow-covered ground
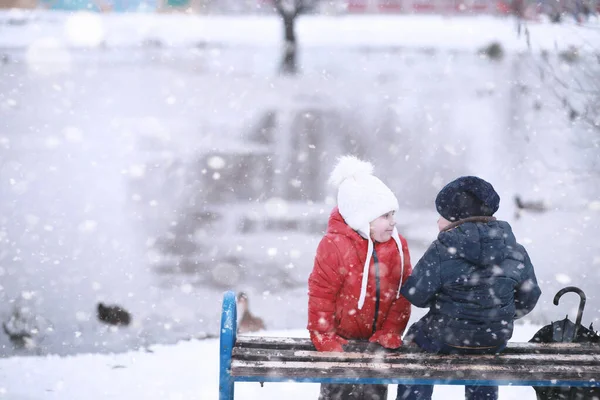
pixel 188 370
pixel 144 159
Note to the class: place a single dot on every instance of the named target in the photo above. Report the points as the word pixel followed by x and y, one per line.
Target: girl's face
pixel 382 227
pixel 442 223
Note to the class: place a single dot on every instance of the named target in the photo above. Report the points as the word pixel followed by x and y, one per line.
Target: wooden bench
pixel 266 359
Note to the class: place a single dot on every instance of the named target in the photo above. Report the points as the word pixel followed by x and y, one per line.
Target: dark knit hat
pixel 467 196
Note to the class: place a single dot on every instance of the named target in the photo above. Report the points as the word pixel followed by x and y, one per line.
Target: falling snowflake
pixel 216 162
pixel 563 279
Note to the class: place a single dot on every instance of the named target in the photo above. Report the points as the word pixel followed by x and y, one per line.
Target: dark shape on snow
pixel 18 339
pixel 521 205
pixel 570 55
pixel 573 114
pixel 529 205
pixel 248 322
pixel 113 315
pixel 567 331
pixel 493 51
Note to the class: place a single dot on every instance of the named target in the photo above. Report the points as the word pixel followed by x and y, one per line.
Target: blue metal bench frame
pixel 228 340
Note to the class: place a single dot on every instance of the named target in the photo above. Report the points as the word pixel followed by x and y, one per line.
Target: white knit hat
pixel 362 198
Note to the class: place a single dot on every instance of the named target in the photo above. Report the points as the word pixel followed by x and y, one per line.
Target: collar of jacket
pixel 453 225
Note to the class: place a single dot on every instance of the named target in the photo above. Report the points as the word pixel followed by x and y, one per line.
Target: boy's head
pixel 362 198
pixel 467 196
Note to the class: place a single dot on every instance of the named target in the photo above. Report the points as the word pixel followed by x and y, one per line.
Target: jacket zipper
pixel 377 289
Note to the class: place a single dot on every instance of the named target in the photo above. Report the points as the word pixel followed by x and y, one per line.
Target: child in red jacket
pixel 361 263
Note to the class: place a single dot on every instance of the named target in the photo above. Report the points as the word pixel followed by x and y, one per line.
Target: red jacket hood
pixel 338 225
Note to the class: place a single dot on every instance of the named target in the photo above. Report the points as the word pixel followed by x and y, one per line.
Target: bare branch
pixel 290 8
pixel 301 7
pixel 279 7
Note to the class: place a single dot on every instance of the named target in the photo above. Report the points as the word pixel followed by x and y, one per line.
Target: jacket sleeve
pixel 399 313
pixel 324 285
pixel 424 283
pixel 528 292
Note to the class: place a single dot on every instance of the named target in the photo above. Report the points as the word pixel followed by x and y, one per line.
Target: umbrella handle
pixel 581 304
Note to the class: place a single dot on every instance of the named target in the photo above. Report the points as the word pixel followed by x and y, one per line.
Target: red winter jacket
pixel 335 282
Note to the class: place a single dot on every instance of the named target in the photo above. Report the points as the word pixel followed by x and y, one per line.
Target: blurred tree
pixel 289 10
pixel 576 82
pixel 573 75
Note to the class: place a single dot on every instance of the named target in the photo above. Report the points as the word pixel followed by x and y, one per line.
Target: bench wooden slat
pixel 513 348
pixel 270 370
pixel 256 354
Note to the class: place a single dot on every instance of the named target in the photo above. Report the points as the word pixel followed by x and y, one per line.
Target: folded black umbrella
pixel 567 331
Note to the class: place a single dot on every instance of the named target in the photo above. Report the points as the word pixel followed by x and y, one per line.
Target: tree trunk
pixel 288 62
pixel 289 26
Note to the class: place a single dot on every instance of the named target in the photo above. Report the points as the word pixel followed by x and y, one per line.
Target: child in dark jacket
pixel 475 279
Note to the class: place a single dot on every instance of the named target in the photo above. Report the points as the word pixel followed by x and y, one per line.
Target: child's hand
pixel 389 340
pixel 327 341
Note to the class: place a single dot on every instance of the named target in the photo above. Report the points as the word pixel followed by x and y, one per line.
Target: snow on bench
pixel 268 359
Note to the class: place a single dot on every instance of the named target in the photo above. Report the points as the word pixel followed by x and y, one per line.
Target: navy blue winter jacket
pixel 476 280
